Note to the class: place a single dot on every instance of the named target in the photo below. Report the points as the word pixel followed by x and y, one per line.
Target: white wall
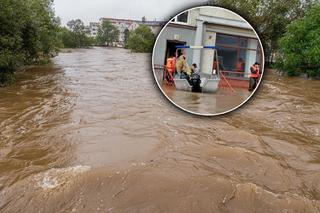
pixel 218 12
pixel 171 33
pixel 207 55
pixel 251 56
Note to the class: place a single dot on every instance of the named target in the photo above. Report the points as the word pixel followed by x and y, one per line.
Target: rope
pixel 227 82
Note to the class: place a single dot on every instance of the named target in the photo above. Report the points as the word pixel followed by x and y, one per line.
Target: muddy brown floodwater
pixel 92 133
pixel 222 101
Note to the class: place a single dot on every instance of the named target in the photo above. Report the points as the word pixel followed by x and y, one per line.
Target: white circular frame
pixel 220 113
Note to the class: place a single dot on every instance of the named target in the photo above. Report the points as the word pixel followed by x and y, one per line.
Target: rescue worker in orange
pixel 170 66
pixel 254 76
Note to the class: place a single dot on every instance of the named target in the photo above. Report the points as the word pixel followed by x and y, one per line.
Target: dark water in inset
pixel 92 133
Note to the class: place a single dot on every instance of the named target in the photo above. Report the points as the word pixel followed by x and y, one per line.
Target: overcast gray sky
pixel 92 10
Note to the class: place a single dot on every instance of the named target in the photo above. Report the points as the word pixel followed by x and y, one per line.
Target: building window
pixel 237 54
pixel 182 18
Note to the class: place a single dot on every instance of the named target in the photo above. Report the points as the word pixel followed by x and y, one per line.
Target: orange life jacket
pixel 170 64
pixel 254 72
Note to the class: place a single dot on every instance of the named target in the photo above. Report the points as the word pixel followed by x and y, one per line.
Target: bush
pixel 299 50
pixel 75 36
pixel 141 40
pixel 28 34
pixel 6 78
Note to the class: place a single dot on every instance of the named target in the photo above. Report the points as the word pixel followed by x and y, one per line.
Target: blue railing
pixel 195 47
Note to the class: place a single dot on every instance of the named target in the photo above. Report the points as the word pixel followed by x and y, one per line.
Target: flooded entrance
pixel 92 133
pixel 207 103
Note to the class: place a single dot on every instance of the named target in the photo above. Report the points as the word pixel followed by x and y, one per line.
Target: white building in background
pixel 233 37
pixel 94 27
pixel 127 24
pixel 122 25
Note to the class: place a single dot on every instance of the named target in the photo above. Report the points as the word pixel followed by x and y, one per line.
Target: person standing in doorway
pixel 254 76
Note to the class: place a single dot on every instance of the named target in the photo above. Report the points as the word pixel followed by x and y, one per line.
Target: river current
pixel 91 132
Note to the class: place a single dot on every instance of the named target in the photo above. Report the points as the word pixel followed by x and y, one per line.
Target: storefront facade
pixel 237 44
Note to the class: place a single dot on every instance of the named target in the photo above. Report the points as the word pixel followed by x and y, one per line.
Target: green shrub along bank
pixel 6 78
pixel 75 36
pixel 28 35
pixel 299 48
pixel 140 40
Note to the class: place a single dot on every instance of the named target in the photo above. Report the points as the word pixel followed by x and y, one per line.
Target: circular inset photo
pixel 208 60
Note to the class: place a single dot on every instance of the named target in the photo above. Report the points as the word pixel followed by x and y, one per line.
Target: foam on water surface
pixel 54 178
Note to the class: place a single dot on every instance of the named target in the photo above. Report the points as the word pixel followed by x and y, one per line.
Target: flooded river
pixel 92 133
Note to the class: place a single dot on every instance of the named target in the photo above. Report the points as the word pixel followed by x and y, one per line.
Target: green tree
pixel 268 17
pixel 70 39
pixel 78 33
pixel 11 42
pixel 300 46
pixel 28 34
pixel 107 33
pixel 67 38
pixel 141 39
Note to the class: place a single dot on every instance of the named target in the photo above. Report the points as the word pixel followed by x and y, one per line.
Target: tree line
pixel 76 35
pixel 30 34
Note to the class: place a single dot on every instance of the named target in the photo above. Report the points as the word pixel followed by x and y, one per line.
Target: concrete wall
pixel 173 33
pixel 251 56
pixel 193 16
pixel 231 30
pixel 207 55
pixel 210 12
pixel 218 12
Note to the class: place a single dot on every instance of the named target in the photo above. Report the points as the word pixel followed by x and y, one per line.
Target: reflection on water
pixel 92 133
pixel 222 101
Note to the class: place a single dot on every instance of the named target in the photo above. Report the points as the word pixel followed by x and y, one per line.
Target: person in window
pixel 254 76
pixel 240 65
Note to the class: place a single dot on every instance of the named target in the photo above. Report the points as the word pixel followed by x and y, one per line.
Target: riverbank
pixel 8 78
pixel 72 140
pixel 302 75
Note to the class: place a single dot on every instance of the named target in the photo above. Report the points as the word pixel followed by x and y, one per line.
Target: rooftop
pixel 155 23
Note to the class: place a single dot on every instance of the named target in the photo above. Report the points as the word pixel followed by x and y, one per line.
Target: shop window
pixel 241 64
pixel 237 53
pixel 227 40
pixel 227 58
